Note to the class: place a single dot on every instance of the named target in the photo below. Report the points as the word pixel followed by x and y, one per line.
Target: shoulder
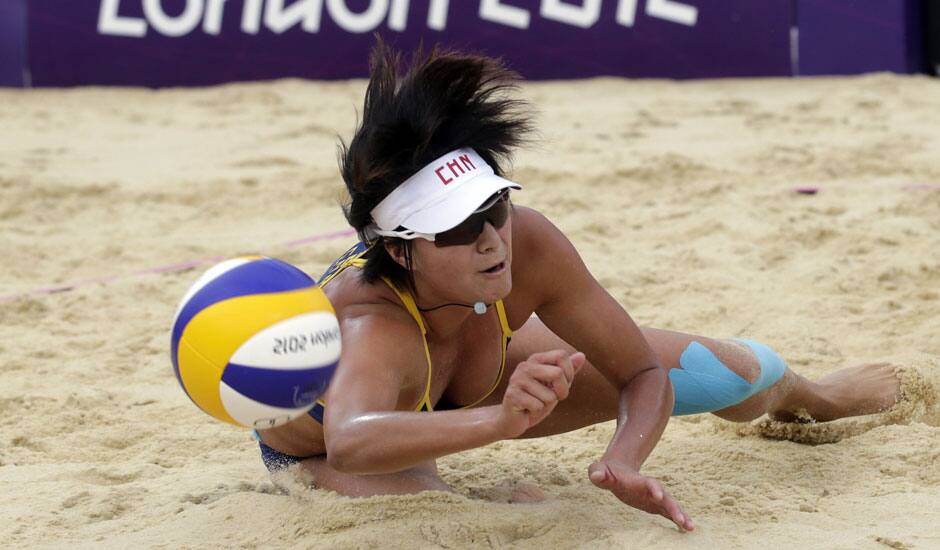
pixel 539 243
pixel 378 327
pixel 381 358
pixel 535 233
pixel 350 294
pixel 549 263
pixel 374 323
pixel 381 344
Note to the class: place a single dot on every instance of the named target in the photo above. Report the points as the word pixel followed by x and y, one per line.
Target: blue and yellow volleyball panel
pixel 255 342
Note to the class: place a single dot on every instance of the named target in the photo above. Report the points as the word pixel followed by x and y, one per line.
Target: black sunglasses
pixel 468 231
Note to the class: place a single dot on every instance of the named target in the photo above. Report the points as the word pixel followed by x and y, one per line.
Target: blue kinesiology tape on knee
pixel 772 366
pixel 705 384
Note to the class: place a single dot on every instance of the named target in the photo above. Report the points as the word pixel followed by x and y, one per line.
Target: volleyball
pixel 255 342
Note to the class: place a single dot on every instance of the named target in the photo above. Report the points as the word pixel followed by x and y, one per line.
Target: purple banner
pixel 13 43
pixel 201 42
pixel 841 37
pixel 198 42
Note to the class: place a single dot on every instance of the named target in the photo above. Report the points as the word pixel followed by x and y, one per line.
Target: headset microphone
pixel 478 307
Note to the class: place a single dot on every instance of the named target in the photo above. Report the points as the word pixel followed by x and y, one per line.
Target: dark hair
pixel 446 100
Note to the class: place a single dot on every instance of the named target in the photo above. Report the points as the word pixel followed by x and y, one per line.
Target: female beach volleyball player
pixel 448 270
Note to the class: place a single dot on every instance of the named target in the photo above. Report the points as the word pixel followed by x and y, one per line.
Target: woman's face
pixel 476 272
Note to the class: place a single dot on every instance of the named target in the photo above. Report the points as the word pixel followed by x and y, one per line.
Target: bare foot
pixel 852 391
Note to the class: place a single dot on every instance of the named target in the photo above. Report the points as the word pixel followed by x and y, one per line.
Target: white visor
pixel 439 196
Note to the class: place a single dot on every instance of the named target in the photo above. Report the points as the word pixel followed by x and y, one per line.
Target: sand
pixel 680 196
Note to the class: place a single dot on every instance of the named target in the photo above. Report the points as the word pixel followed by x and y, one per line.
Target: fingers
pixel 550 376
pixel 601 476
pixel 578 360
pixel 521 401
pixel 540 382
pixel 655 489
pixel 668 507
pixel 558 376
pixel 552 356
pixel 672 511
pixel 545 394
pixel 555 359
pixel 647 495
pixel 570 362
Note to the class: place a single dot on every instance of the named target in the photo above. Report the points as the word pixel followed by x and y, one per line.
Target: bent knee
pixel 706 383
pixel 763 401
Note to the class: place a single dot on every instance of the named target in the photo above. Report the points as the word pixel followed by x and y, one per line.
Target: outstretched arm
pixel 576 308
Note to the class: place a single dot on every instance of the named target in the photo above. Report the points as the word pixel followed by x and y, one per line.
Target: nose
pixel 488 240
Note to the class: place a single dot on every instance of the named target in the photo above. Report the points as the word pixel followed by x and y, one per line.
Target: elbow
pixel 341 455
pixel 667 394
pixel 347 455
pixel 353 446
pixel 660 373
pixel 653 370
pixel 337 460
pixel 342 442
pixel 653 380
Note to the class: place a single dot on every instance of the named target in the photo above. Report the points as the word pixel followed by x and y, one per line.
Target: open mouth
pixel 496 268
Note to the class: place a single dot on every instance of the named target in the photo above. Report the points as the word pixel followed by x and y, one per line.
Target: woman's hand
pixel 639 491
pixel 536 386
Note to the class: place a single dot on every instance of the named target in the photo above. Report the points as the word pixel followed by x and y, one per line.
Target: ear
pixel 396 249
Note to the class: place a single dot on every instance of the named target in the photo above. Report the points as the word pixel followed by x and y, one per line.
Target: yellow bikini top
pixel 353 258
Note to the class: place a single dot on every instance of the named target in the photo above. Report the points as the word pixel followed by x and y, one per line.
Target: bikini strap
pixel 409 304
pixel 412 307
pixel 354 258
pixel 507 335
pixel 503 321
pixel 351 258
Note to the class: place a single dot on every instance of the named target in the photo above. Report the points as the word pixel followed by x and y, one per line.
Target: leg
pixel 853 391
pixel 593 399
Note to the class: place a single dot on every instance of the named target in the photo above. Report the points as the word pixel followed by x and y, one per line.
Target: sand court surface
pixel 679 196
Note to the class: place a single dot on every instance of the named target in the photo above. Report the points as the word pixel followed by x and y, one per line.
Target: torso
pixel 465 365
